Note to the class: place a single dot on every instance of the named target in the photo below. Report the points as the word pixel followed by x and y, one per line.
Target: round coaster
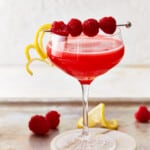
pixel 123 141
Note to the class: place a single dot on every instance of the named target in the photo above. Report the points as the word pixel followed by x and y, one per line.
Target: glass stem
pixel 85 92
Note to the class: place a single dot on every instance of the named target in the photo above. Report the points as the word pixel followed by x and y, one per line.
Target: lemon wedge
pixel 96 117
pixel 93 118
pixel 110 124
pixel 38 46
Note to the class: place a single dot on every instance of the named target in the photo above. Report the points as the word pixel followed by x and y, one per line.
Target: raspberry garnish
pixel 142 115
pixel 90 27
pixel 74 27
pixel 38 125
pixel 108 24
pixel 60 28
pixel 52 118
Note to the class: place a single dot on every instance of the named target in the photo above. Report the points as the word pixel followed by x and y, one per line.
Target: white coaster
pixel 123 140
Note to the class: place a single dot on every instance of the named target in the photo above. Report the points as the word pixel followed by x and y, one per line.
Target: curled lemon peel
pixel 31 60
pixel 27 51
pixel 97 118
pixel 41 40
pixel 38 46
pixel 39 49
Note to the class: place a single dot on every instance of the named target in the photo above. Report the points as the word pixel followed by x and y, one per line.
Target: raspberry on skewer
pixel 74 27
pixel 90 27
pixel 109 24
pixel 60 28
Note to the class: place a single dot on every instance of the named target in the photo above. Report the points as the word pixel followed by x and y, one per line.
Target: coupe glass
pixel 85 58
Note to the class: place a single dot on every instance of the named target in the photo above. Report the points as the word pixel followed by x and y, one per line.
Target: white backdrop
pixel 19 20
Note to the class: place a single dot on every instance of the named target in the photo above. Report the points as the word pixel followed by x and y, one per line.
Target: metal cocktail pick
pixel 127 25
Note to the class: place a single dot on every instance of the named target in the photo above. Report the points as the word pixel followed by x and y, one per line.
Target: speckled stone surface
pixel 14 117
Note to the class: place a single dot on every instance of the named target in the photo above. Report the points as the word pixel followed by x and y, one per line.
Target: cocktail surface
pixel 86 57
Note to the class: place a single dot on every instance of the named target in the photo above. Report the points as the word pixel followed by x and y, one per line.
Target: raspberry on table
pixel 38 125
pixel 90 27
pixel 74 27
pixel 108 24
pixel 142 114
pixel 60 28
pixel 53 119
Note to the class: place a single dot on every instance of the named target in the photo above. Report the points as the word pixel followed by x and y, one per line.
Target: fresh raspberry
pixel 142 115
pixel 90 27
pixel 74 27
pixel 38 125
pixel 60 28
pixel 108 24
pixel 52 118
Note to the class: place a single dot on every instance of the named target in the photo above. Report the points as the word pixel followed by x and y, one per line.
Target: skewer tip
pixel 128 24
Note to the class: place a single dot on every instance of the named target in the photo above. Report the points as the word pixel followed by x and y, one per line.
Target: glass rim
pixel 117 32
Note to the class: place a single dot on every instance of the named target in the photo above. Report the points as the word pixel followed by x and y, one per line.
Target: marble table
pixel 14 117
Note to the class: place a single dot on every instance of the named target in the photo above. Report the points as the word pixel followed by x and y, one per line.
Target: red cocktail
pixel 84 57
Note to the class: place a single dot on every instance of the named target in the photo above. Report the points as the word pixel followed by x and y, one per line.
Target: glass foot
pixel 72 140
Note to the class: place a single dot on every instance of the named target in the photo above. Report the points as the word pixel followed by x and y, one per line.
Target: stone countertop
pixel 122 81
pixel 14 117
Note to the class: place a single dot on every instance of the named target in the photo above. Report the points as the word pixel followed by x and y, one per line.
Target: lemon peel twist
pixel 97 118
pixel 39 49
pixel 34 59
pixel 38 46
